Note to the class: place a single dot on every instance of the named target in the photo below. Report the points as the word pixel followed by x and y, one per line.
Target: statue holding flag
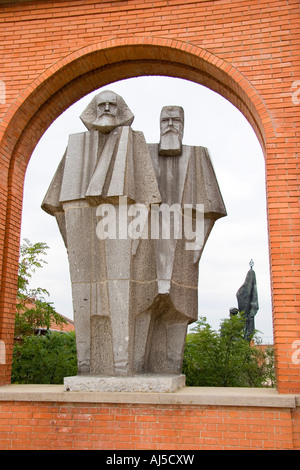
pixel 248 301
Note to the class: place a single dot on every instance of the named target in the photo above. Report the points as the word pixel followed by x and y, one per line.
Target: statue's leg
pixel 121 328
pixel 167 346
pixel 166 339
pixel 102 360
pixel 78 235
pixel 80 294
pixel 117 255
pixel 142 327
pixel 143 293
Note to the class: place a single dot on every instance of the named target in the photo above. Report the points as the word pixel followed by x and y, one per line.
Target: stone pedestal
pixel 136 383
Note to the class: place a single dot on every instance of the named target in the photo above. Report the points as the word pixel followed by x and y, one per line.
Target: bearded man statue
pixel 107 164
pixel 186 180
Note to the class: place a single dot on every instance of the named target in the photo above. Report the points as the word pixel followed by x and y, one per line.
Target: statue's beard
pixel 105 123
pixel 170 144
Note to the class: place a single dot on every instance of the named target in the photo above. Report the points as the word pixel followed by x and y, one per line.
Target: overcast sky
pixel 210 121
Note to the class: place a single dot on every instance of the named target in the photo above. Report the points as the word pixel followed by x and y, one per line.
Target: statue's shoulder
pixel 196 152
pixel 202 154
pixel 77 135
pixel 80 142
pixel 84 135
pixel 200 148
pixel 152 146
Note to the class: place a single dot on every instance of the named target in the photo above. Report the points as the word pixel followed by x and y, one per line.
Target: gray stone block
pixel 137 383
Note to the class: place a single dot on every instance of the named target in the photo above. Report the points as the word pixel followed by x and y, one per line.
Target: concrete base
pixel 137 383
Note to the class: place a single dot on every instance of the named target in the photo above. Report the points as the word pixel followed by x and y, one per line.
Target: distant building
pixel 65 327
pixel 69 326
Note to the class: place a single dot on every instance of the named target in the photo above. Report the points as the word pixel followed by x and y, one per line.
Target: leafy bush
pixel 45 359
pixel 225 358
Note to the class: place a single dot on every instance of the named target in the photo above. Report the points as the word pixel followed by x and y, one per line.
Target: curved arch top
pixel 91 67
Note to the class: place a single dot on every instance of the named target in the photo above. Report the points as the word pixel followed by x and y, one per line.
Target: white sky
pixel 210 121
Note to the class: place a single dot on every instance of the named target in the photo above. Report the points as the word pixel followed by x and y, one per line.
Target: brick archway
pixel 105 62
pixel 73 77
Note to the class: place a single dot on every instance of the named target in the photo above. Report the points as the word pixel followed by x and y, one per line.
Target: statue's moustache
pixel 99 119
pixel 170 130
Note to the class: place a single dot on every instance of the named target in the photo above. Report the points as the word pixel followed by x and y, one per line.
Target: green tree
pixel 44 359
pixel 34 311
pixel 224 358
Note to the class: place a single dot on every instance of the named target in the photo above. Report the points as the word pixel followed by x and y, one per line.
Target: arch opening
pixel 239 164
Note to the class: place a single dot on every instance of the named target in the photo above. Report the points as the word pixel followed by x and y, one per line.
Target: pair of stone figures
pixel 133 298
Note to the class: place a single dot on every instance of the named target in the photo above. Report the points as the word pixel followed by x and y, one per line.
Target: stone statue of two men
pixel 133 296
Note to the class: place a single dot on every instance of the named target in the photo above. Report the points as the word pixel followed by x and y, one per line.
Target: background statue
pixel 133 297
pixel 247 298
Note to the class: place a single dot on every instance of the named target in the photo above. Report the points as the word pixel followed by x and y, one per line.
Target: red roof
pixel 69 326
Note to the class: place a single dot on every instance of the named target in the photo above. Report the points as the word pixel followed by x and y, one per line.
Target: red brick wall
pixel 53 52
pixel 71 426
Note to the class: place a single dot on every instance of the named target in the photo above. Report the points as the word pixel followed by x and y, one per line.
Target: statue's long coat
pixel 118 284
